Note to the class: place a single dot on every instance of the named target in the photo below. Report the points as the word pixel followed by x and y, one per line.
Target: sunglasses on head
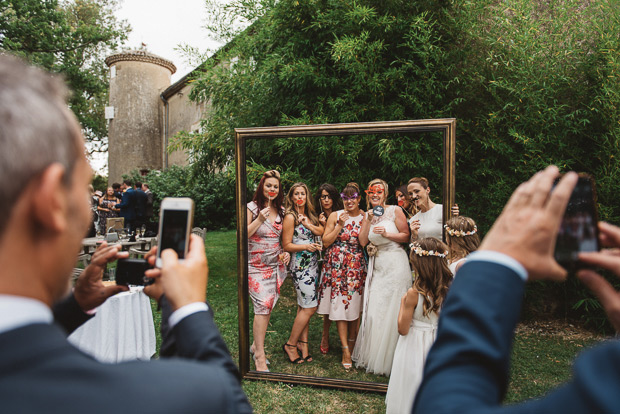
pixel 347 198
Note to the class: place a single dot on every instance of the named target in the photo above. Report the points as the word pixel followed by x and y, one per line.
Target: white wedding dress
pixel 389 277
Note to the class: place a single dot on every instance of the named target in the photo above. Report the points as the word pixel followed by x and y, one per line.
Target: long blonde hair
pixel 385 191
pixel 433 277
pixel 309 210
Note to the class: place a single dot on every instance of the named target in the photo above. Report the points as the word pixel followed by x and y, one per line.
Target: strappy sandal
pixel 307 358
pixel 296 360
pixel 346 365
pixel 324 350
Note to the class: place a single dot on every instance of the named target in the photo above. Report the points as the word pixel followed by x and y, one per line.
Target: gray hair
pixel 36 129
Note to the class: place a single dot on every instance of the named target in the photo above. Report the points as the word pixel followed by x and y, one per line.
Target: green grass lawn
pixel 539 362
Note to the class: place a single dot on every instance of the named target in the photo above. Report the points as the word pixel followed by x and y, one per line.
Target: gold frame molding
pixel 447 126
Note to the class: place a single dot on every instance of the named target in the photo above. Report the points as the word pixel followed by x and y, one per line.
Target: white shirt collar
pixel 18 311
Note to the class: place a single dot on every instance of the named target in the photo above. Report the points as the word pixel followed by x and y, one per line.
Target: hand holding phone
pixel 578 232
pixel 175 223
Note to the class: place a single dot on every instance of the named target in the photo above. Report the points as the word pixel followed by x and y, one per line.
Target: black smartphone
pixel 175 224
pixel 579 229
pixel 131 272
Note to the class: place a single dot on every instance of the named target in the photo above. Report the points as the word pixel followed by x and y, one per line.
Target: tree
pixel 71 38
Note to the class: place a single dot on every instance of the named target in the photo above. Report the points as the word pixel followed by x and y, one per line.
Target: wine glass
pixel 319 240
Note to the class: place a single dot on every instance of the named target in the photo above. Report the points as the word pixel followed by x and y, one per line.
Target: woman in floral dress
pixel 106 209
pixel 300 227
pixel 266 266
pixel 344 271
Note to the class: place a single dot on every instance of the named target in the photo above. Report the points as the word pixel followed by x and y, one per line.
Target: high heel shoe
pixel 346 365
pixel 307 358
pixel 252 353
pixel 292 361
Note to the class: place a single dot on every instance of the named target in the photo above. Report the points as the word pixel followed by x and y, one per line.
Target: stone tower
pixel 137 78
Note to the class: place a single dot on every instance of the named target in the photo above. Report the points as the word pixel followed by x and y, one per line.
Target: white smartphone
pixel 176 217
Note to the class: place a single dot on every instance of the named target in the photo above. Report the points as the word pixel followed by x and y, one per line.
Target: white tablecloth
pixel 121 330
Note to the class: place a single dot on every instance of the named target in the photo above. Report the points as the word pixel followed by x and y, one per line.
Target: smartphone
pixel 579 229
pixel 176 217
pixel 131 272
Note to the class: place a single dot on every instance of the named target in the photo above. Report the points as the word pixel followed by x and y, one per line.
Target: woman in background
pixel 344 271
pixel 402 199
pixel 106 209
pixel 428 221
pixel 300 227
pixel 266 265
pixel 328 199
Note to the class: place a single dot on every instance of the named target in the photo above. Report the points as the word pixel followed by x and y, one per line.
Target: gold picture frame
pixel 242 135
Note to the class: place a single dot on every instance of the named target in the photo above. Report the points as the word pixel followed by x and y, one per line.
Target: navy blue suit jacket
pixel 128 205
pixel 468 366
pixel 41 372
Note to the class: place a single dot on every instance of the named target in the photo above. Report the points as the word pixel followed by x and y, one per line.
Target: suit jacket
pixel 149 203
pixel 141 201
pixel 41 372
pixel 467 368
pixel 128 205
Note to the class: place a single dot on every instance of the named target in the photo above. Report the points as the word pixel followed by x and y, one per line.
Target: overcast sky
pixel 163 25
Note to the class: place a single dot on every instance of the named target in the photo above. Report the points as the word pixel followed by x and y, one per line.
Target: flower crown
pixel 460 233
pixel 417 249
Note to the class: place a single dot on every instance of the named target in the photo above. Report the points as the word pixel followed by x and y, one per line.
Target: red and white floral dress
pixel 266 273
pixel 344 273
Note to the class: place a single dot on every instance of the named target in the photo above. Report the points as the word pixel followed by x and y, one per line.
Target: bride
pixel 389 277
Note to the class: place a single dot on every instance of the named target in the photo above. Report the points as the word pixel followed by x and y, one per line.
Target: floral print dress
pixel 305 269
pixel 266 273
pixel 344 273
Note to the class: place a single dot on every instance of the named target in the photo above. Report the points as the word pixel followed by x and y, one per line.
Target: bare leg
pixel 300 324
pixel 343 328
pixel 353 330
pixel 260 330
pixel 325 337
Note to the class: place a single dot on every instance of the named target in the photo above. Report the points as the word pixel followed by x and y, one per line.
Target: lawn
pixel 539 362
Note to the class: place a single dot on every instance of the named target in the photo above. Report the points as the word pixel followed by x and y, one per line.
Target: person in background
pixel 106 209
pixel 417 322
pixel 118 193
pixel 402 199
pixel 344 270
pixel 300 228
pixel 141 201
pixel 149 201
pixel 94 201
pixel 267 261
pixel 428 221
pixel 462 238
pixel 127 205
pixel 328 199
pixel 44 181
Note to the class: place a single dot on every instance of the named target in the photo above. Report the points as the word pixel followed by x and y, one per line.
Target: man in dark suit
pixel 141 200
pixel 149 201
pixel 467 368
pixel 44 213
pixel 128 204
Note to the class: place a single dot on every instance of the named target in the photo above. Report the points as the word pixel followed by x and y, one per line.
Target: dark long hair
pixel 333 194
pixel 259 195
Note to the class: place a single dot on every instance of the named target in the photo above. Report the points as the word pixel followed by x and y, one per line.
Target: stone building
pixel 144 112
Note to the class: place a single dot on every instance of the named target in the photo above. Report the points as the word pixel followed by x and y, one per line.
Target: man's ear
pixel 50 202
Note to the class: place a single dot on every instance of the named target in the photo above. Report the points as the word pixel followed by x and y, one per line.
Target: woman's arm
pixel 331 230
pixel 407 307
pixel 254 224
pixel 99 205
pixel 316 230
pixel 403 228
pixel 365 227
pixel 288 228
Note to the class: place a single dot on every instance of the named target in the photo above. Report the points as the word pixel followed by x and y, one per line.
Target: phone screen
pixel 579 229
pixel 174 228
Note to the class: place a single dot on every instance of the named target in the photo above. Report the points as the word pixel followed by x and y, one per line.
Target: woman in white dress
pixel 389 277
pixel 462 239
pixel 417 322
pixel 428 221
